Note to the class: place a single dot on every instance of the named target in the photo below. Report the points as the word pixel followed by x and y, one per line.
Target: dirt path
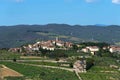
pixel 52 61
pixel 78 75
pixel 5 72
pixel 30 57
pixel 68 69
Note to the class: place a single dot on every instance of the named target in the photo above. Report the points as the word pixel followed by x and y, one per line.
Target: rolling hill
pixel 14 36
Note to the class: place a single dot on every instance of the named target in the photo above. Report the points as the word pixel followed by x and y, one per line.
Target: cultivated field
pixel 7 72
pixel 41 73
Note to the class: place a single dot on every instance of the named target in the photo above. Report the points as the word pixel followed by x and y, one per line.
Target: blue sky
pixel 82 12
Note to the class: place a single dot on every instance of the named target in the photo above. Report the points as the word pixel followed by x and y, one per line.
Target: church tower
pixel 57 39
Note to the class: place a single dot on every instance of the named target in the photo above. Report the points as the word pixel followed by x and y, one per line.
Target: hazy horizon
pixel 102 25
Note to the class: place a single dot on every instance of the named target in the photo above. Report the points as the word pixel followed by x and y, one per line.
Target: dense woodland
pixel 13 36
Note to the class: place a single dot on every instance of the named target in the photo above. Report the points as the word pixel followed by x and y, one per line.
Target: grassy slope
pixel 43 73
pixel 97 71
pixel 42 63
pixel 8 55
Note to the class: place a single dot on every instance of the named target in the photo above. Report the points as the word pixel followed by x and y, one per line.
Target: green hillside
pixel 13 36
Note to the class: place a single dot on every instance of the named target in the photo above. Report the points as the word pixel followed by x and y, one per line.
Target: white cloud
pixel 116 1
pixel 89 1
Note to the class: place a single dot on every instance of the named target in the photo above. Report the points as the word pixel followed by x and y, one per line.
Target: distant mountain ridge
pixel 101 25
pixel 14 36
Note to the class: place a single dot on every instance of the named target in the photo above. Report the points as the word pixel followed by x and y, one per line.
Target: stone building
pixel 80 66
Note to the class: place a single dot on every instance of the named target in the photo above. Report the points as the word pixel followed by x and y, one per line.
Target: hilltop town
pixel 80 58
pixel 52 45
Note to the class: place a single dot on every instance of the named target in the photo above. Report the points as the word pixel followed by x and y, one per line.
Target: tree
pixel 57 54
pixel 75 47
pixel 44 51
pixel 57 59
pixel 42 74
pixel 89 63
pixel 14 60
pixel 71 65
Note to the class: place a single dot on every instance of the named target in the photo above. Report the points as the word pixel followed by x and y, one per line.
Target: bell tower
pixel 57 39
